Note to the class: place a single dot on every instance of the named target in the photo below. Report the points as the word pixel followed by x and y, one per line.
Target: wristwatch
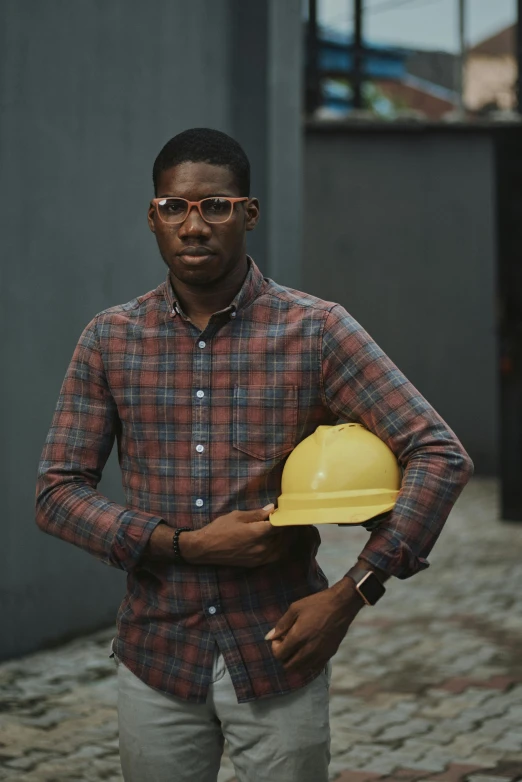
pixel 367 584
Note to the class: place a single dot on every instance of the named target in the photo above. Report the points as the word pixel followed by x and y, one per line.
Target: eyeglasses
pixel 212 210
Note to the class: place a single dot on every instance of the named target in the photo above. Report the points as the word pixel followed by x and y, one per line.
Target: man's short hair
pixel 205 145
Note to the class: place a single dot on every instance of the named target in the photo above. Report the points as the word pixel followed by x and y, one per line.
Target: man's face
pixel 181 245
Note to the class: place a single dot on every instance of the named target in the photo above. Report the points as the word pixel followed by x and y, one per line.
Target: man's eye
pixel 217 205
pixel 174 207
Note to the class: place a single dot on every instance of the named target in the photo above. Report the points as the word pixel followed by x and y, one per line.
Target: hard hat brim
pixel 339 515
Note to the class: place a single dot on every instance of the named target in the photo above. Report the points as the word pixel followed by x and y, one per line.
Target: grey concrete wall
pixel 400 229
pixel 266 60
pixel 89 92
pixel 285 88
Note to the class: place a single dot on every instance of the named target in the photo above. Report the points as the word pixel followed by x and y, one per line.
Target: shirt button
pixel 200 394
pixel 212 610
pixel 202 344
pixel 232 314
pixel 200 448
pixel 199 503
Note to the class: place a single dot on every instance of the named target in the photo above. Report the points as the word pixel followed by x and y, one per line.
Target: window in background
pixel 411 59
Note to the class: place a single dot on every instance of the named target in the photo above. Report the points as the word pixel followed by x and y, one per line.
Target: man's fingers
pixel 295 661
pixel 287 646
pixel 296 656
pixel 259 514
pixel 283 626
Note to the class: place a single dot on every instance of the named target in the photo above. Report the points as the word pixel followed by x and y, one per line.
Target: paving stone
pixel 511 769
pixel 429 764
pixel 89 751
pixel 512 742
pixel 485 778
pixel 484 759
pixel 455 772
pixel 405 730
pixel 27 762
pixel 463 746
pixel 409 774
pixel 47 720
pixel 357 776
pixel 514 713
pixel 495 727
pixel 362 752
pixel 515 694
pixel 385 765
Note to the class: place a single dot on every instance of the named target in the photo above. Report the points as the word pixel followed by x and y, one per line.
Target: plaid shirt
pixel 204 422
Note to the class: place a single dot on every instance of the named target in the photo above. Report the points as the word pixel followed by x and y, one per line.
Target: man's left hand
pixel 310 632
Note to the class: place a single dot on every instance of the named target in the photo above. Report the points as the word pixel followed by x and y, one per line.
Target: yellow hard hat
pixel 340 474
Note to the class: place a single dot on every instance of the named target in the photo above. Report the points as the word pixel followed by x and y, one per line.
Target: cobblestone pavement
pixel 427 685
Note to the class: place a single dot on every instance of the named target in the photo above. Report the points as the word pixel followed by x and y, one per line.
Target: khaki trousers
pixel 285 738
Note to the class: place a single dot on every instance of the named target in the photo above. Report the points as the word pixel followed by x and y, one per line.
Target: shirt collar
pixel 252 286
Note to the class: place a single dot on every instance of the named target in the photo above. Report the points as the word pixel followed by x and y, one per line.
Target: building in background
pixel 391 89
pixel 412 96
pixel 434 66
pixel 405 83
pixel 491 73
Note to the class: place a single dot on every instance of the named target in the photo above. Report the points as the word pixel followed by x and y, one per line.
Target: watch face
pixel 371 588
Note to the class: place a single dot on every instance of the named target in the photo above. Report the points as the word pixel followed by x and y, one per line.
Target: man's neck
pixel 200 303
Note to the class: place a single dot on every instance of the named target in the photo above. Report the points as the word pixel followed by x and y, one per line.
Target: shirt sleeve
pixel 361 384
pixel 78 444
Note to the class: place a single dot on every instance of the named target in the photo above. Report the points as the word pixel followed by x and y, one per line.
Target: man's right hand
pixel 243 538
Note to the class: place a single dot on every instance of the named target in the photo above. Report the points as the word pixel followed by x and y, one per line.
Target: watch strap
pixel 357 572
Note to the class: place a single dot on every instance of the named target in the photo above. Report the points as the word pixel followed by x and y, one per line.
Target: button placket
pixel 200 435
pixel 200 466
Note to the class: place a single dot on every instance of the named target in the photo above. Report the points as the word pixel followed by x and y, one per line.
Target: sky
pixel 423 24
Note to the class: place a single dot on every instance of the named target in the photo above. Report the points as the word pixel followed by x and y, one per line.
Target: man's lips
pixel 196 252
pixel 194 256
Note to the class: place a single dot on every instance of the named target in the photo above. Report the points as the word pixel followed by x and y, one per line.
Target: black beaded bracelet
pixel 175 544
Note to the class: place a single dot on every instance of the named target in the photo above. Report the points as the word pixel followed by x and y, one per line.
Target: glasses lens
pixel 216 210
pixel 172 210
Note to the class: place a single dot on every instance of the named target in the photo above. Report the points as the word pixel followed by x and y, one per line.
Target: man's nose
pixel 194 224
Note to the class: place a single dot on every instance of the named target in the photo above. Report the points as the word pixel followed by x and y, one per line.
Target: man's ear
pixel 252 213
pixel 150 217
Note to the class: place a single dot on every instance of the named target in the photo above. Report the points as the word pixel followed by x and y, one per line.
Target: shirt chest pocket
pixel 265 420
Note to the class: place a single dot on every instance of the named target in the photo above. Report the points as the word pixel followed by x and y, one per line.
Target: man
pixel 207 383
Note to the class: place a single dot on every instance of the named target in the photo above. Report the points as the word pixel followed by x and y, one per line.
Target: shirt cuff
pixel 387 551
pixel 132 537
